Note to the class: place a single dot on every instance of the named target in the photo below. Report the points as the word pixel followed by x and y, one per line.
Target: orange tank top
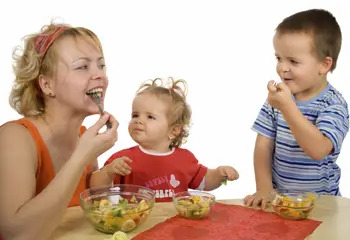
pixel 45 171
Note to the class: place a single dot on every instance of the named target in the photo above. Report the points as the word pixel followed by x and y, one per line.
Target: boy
pixel 304 121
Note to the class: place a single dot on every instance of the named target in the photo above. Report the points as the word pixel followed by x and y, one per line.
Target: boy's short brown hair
pixel 323 28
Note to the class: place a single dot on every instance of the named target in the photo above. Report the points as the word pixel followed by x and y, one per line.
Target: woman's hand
pixel 93 143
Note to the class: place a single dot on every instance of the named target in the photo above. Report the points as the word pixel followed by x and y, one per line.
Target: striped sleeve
pixel 333 122
pixel 265 124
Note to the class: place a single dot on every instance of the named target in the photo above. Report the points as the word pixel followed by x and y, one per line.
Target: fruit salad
pixel 124 216
pixel 194 207
pixel 294 206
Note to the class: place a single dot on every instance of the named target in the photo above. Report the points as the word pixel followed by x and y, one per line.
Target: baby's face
pixel 297 64
pixel 149 126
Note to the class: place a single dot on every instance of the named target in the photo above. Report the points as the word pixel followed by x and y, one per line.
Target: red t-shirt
pixel 164 174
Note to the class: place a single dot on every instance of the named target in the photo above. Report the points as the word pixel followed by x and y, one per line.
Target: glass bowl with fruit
pixel 193 204
pixel 294 205
pixel 119 207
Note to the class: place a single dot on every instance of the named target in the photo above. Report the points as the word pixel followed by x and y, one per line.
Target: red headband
pixel 43 42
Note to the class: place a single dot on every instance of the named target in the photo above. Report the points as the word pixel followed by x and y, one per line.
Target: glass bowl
pixel 193 204
pixel 119 207
pixel 294 205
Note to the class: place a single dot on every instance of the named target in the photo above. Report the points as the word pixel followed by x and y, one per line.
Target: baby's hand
pixel 279 95
pixel 260 199
pixel 228 173
pixel 119 166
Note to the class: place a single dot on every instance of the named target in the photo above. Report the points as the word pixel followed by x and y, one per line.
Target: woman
pixel 46 158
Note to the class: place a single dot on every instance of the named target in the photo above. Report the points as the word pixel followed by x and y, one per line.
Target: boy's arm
pixel 263 172
pixel 316 145
pixel 263 163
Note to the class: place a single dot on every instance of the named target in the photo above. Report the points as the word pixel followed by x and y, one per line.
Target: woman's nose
pixel 98 73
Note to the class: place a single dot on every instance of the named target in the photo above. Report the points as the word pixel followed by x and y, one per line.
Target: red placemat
pixel 231 222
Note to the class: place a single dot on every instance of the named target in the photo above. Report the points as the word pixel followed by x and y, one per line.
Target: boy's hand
pixel 260 199
pixel 119 166
pixel 228 173
pixel 279 95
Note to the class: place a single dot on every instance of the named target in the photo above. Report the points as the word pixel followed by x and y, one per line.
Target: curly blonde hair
pixel 179 112
pixel 26 96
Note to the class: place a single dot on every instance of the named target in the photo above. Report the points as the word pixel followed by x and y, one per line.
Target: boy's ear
pixel 326 65
pixel 46 85
pixel 175 131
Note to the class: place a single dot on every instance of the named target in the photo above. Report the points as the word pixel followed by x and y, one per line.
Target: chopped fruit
pixel 194 207
pixel 125 215
pixel 118 236
pixel 128 225
pixel 294 206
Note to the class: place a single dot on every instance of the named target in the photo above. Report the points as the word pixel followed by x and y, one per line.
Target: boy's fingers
pixel 248 200
pixel 282 86
pixel 256 202
pixel 271 86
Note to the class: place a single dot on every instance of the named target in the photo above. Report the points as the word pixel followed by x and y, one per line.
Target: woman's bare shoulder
pixel 14 136
pixel 12 130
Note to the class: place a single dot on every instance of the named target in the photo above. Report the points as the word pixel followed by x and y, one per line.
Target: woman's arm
pixel 23 214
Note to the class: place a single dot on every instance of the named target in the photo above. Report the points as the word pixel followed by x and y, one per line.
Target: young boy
pixel 304 121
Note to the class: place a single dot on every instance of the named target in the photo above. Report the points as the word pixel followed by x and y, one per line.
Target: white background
pixel 222 48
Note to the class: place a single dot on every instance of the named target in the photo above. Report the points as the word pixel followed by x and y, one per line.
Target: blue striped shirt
pixel 291 167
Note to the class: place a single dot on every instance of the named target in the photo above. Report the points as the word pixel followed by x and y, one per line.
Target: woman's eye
pixel 278 58
pixel 151 117
pixel 134 115
pixel 84 67
pixel 293 61
pixel 102 66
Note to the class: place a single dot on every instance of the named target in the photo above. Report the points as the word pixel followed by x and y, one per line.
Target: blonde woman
pixel 46 157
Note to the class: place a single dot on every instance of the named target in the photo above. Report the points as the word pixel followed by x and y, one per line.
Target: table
pixel 333 211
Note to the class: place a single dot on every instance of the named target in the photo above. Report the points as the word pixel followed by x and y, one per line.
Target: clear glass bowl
pixel 193 204
pixel 294 205
pixel 119 207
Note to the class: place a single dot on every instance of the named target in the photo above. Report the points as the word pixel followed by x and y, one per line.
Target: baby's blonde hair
pixel 179 112
pixel 26 96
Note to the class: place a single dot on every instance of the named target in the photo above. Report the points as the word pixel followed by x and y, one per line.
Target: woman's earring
pixel 51 94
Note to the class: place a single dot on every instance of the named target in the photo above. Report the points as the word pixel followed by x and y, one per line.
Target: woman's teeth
pixel 95 91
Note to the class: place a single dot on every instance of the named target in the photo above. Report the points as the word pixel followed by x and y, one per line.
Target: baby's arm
pixel 214 177
pixel 113 168
pixel 263 172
